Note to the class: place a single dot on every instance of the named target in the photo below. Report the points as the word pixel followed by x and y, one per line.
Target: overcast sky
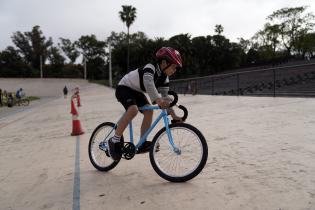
pixel 160 18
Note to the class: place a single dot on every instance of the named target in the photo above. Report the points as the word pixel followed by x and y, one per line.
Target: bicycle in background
pixel 24 101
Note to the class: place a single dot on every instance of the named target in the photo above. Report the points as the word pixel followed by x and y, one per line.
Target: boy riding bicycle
pixel 153 79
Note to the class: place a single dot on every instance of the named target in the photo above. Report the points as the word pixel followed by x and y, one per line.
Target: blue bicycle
pixel 178 152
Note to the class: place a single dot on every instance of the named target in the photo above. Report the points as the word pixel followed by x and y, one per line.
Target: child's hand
pixel 162 103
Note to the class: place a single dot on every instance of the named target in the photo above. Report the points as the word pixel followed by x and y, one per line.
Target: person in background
pixel 19 94
pixel 10 100
pixel 65 91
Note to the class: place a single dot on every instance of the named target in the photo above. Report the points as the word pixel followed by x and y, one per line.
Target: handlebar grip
pixel 175 97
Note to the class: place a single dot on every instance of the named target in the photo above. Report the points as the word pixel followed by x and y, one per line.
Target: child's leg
pixel 114 142
pixel 146 123
pixel 129 115
pixel 147 120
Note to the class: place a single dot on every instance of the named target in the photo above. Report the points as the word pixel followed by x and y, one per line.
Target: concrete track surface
pixel 261 155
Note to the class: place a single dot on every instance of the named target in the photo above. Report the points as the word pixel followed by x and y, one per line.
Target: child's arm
pixel 148 82
pixel 164 92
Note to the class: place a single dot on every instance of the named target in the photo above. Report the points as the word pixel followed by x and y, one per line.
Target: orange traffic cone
pixel 76 125
pixel 73 109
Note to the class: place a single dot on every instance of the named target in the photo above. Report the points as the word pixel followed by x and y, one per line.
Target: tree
pixel 218 29
pixel 252 56
pixel 272 33
pixel 200 50
pixel 93 51
pixel 268 41
pixel 56 63
pixel 140 46
pixel 224 54
pixel 244 44
pixel 182 43
pixel 32 45
pixel 306 44
pixel 69 49
pixel 116 38
pixel 291 23
pixel 91 47
pixel 128 16
pixel 12 64
pixel 55 57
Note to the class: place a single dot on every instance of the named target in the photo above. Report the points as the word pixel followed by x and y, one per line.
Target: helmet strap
pixel 166 67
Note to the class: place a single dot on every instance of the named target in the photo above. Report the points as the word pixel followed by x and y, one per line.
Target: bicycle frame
pixel 163 115
pixel 166 144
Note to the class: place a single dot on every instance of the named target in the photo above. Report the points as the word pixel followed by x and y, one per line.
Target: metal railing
pixel 295 80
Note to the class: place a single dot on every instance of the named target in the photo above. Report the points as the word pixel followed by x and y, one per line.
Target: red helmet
pixel 170 55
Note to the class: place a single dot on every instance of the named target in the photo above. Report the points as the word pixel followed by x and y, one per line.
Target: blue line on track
pixel 76 184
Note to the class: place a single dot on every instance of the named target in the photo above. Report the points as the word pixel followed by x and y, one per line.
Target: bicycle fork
pixel 169 134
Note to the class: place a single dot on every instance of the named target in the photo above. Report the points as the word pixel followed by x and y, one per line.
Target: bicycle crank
pixel 128 151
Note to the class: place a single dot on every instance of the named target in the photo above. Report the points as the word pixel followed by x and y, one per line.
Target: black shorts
pixel 128 97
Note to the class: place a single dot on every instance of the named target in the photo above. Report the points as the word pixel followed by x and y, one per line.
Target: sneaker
pixel 145 147
pixel 103 146
pixel 114 149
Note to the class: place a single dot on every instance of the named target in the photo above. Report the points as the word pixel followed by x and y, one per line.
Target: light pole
pixel 84 59
pixel 110 65
pixel 41 66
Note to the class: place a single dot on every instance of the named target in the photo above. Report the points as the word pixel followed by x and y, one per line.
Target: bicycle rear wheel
pixel 185 163
pixel 99 156
pixel 25 102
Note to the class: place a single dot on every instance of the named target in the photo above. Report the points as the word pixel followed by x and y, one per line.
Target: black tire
pixel 166 153
pixel 97 155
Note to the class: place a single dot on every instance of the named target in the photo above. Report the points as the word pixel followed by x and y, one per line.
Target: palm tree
pixel 128 16
pixel 218 29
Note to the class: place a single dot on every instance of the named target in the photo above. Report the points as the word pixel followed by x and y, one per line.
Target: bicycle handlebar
pixel 185 112
pixel 175 97
pixel 174 102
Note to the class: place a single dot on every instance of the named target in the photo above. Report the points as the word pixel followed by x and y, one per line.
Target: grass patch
pixel 33 98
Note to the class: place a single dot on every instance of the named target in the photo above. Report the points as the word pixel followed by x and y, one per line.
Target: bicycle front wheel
pixel 99 155
pixel 185 160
